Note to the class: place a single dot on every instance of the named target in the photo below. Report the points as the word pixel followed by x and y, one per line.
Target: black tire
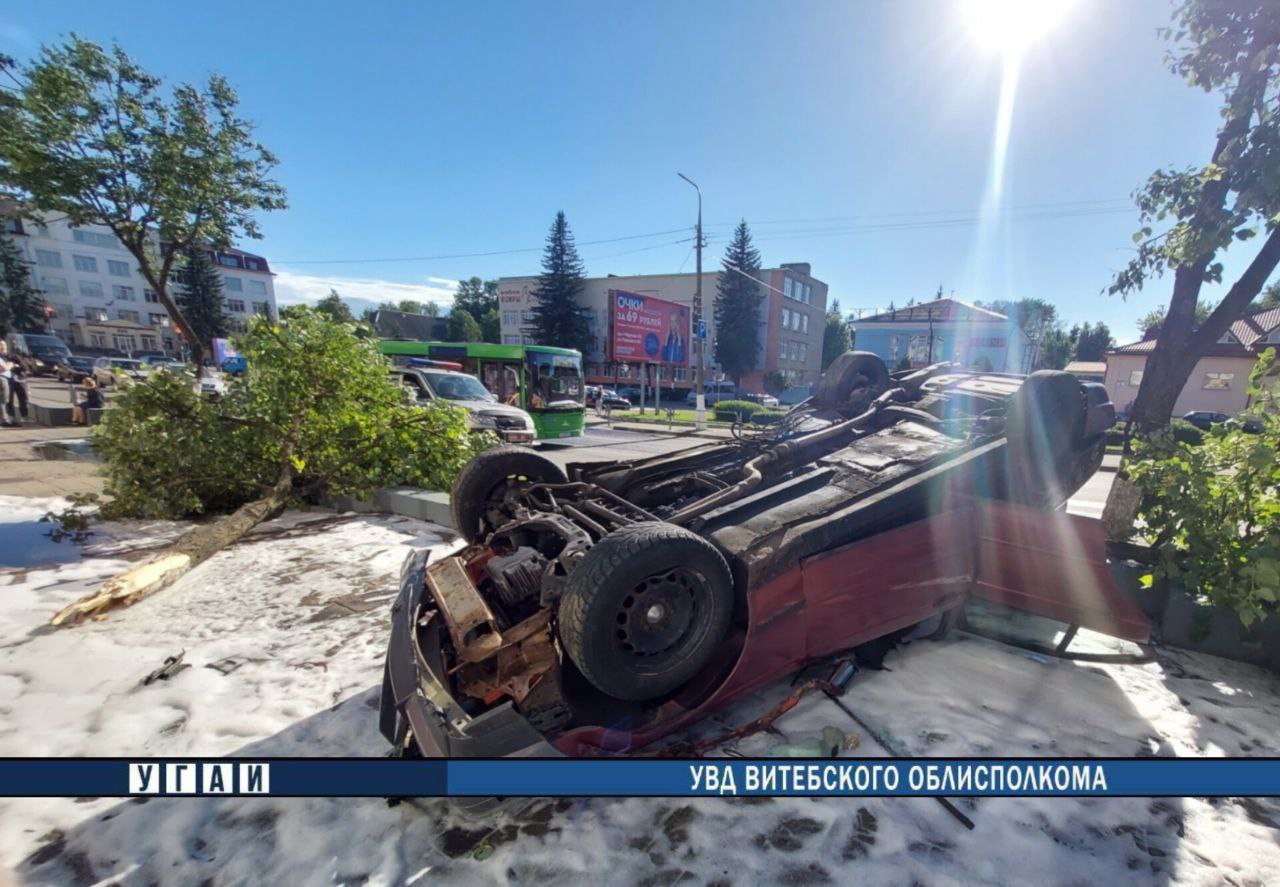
pixel 856 377
pixel 645 610
pixel 482 484
pixel 1044 423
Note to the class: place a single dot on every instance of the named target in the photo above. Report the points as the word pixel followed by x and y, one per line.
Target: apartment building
pixel 790 324
pixel 98 300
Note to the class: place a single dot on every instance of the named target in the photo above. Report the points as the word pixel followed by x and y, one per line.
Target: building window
pixel 158 319
pixel 511 318
pixel 236 305
pixel 795 321
pixel 148 343
pixel 131 316
pixel 786 318
pixel 86 263
pixel 258 287
pixel 97 315
pixel 123 293
pixel 150 296
pixel 804 351
pixel 1218 381
pixel 1135 378
pixel 90 290
pixel 97 340
pixel 786 287
pixel 55 286
pixel 117 269
pixel 804 323
pixel 123 343
pixel 106 241
pixel 262 308
pixel 48 258
pixel 233 284
pixel 510 340
pixel 808 294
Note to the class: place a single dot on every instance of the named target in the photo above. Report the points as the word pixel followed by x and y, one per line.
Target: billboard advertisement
pixel 647 329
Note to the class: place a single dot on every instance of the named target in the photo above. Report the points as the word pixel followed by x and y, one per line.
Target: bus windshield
pixel 554 380
pixel 456 386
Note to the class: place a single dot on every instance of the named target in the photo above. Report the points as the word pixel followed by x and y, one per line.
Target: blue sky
pixel 857 136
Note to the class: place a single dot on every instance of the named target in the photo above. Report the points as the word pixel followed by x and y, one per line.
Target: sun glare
pixel 1010 26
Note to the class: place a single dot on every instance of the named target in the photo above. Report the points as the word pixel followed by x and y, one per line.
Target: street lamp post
pixel 700 394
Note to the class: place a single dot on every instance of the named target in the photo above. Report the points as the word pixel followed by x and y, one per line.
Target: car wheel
pixel 483 482
pixel 855 377
pixel 1044 423
pixel 645 610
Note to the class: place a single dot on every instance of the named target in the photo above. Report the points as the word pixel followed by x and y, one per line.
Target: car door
pixel 1052 564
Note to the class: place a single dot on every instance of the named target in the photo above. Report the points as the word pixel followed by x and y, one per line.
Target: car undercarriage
pixel 602 606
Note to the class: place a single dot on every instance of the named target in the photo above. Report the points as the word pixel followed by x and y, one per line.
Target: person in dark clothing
pixel 93 400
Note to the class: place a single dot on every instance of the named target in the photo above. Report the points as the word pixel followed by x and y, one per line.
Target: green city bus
pixel 545 382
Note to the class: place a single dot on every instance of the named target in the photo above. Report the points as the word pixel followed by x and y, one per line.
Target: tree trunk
pixel 194 547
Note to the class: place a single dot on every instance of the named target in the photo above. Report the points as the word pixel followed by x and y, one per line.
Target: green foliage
pixel 334 308
pixel 767 417
pixel 836 339
pixel 315 394
pixel 1212 509
pixel 558 318
pixel 1091 341
pixel 91 136
pixel 904 364
pixel 1153 320
pixel 1268 298
pixel 737 306
pixel 1056 349
pixel 775 382
pixel 726 410
pixel 479 298
pixel 462 326
pixel 22 308
pixel 200 297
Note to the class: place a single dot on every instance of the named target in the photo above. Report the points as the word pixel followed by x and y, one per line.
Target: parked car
pixel 38 353
pixel 1205 419
pixel 714 391
pixel 631 393
pixel 213 384
pixel 485 413
pixel 765 400
pixel 612 400
pixel 154 361
pixel 107 370
pixel 74 367
pixel 601 606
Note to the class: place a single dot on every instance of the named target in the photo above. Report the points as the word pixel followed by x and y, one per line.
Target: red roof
pixel 1249 332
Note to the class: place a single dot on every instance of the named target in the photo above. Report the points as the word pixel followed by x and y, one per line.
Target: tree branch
pixel 1242 292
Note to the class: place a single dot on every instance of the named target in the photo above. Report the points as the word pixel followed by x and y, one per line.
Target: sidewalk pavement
pixel 24 473
pixel 658 428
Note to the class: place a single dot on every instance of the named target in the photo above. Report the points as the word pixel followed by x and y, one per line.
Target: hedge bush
pixel 731 410
pixel 171 453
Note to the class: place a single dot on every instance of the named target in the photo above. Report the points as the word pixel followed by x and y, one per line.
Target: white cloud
pixel 293 288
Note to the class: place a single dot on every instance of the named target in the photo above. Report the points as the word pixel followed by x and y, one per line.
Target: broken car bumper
pixel 418 714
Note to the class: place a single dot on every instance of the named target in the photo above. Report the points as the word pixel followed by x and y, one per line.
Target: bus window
pixel 554 379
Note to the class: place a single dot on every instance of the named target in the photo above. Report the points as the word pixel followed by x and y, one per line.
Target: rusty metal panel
pixel 464 610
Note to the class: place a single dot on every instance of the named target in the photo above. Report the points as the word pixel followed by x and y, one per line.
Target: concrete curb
pixel 425 505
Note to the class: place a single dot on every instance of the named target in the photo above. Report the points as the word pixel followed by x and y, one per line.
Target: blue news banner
pixel 632 777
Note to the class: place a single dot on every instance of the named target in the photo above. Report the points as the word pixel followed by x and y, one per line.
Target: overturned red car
pixel 600 608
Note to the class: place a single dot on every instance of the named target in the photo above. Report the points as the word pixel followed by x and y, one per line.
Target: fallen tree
pixel 317 413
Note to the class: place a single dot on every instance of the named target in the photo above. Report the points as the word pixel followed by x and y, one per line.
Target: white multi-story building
pixel 97 299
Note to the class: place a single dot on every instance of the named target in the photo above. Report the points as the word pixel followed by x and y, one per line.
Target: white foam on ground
pixel 299 624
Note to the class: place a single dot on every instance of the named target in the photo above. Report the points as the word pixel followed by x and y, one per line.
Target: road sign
pixel 702 329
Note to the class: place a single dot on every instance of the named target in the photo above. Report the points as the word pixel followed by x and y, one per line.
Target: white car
pixel 484 412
